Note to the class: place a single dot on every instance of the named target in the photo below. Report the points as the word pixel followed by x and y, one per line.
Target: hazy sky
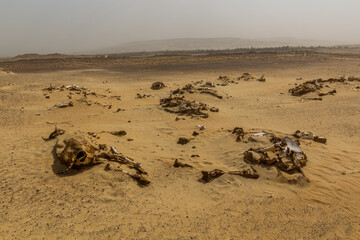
pixel 46 26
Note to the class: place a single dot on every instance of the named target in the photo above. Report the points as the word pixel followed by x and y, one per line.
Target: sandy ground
pixel 93 203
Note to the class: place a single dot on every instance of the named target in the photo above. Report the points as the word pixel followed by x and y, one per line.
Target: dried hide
pixel 64 105
pixel 181 106
pixel 205 89
pixel 178 164
pixel 54 134
pixel 306 87
pixel 208 176
pixel 309 135
pixel 79 152
pixel 248 173
pixel 285 154
pixel 76 151
pixel 317 84
pixel 157 85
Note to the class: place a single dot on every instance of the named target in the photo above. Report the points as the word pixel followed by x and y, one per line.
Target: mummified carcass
pixel 181 106
pixel 78 152
pixel 285 154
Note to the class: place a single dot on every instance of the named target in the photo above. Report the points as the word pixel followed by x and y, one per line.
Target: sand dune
pixel 96 204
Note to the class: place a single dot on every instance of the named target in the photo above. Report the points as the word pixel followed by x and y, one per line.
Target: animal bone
pixel 181 106
pixel 328 93
pixel 248 173
pixel 177 164
pixel 211 175
pixel 118 133
pixel 138 177
pixel 54 134
pixel 133 164
pixel 157 85
pixel 76 152
pixel 63 105
pixel 309 135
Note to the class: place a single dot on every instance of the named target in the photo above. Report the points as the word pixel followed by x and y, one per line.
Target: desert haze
pixel 181 146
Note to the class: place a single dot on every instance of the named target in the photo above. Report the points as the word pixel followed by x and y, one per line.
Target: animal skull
pixel 76 151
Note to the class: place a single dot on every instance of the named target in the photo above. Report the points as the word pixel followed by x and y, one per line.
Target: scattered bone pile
pixel 206 88
pixel 225 80
pixel 157 85
pixel 78 152
pixel 73 90
pixel 54 134
pixel 249 76
pixel 309 135
pixel 208 176
pixel 317 84
pixel 181 106
pixel 285 153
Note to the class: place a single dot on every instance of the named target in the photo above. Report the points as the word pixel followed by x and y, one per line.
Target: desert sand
pixel 92 203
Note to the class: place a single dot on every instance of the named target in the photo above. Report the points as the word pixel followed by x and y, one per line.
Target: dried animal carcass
pixel 64 105
pixel 316 85
pixel 306 87
pixel 309 135
pixel 248 173
pixel 285 153
pixel 261 79
pixel 157 85
pixel 54 134
pixel 205 89
pixel 181 106
pixel 225 80
pixel 332 92
pixel 78 152
pixel 178 164
pixel 183 141
pixel 208 176
pixel 246 76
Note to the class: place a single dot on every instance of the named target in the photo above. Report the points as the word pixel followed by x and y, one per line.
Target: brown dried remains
pixel 141 179
pixel 178 164
pixel 157 85
pixel 225 81
pixel 285 154
pixel 118 133
pixel 239 132
pixel 138 96
pixel 203 90
pixel 353 79
pixel 180 106
pixel 246 76
pixel 64 105
pixel 76 152
pixel 54 134
pixel 309 135
pixel 208 176
pixel 248 173
pixel 328 93
pixel 306 87
pixel 261 79
pixel 183 141
pixel 316 85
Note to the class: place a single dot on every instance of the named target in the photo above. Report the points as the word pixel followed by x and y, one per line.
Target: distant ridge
pixel 207 44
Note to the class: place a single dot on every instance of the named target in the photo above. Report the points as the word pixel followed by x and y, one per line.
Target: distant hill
pixel 207 44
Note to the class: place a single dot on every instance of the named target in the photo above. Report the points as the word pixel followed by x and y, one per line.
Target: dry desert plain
pixel 92 203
